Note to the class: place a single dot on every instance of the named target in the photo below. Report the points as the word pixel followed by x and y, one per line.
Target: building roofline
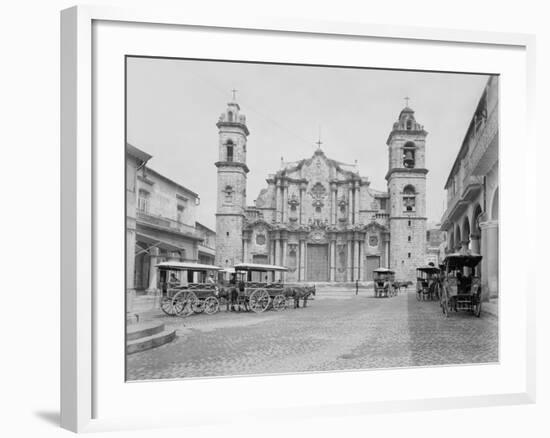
pixel 137 153
pixel 178 185
pixel 463 144
pixel 204 226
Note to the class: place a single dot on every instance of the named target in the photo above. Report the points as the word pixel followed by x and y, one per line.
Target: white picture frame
pixel 79 202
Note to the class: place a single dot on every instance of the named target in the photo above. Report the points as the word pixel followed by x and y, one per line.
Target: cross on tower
pixel 319 142
pixel 234 92
pixel 407 98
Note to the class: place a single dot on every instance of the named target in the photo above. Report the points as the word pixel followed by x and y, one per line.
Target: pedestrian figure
pixel 233 291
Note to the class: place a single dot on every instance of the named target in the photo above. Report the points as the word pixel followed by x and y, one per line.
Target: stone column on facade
pixel 278 201
pixel 277 242
pixel 357 202
pixel 360 260
pixel 355 260
pixel 285 202
pixel 489 251
pixel 475 241
pixel 475 248
pixel 332 203
pixel 271 250
pixel 285 251
pixel 332 258
pixel 303 187
pixel 350 203
pixel 153 261
pixel 386 238
pixel 349 261
pixel 130 263
pixel 335 204
pixel 303 269
pixel 245 248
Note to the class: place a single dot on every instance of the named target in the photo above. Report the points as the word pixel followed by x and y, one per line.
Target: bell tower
pixel 231 193
pixel 406 179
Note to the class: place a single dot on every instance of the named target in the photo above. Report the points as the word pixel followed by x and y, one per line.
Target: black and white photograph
pixel 286 218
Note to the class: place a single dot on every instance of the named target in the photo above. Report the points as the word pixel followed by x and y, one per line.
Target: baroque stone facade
pixel 318 216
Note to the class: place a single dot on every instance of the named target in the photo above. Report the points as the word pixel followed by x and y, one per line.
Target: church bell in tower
pixel 408 159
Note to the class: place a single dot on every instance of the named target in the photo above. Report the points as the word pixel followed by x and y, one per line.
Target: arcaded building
pixel 165 223
pixel 318 216
pixel 472 215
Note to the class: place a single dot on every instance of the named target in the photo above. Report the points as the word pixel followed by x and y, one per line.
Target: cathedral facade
pixel 318 217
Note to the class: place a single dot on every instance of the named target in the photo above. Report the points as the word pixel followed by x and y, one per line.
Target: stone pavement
pixel 336 331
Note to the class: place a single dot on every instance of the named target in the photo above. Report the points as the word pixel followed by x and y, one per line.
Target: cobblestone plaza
pixel 337 331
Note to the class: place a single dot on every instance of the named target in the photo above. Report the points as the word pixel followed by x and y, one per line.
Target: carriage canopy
pixel 187 266
pixel 459 261
pixel 428 269
pixel 258 267
pixel 258 272
pixel 384 271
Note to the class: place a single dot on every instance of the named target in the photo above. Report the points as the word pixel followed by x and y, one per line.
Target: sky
pixel 173 106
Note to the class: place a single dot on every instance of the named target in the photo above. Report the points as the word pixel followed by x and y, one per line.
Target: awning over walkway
pixel 154 242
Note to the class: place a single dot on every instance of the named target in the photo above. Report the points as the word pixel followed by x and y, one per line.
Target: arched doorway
pixel 465 234
pixel 475 235
pixel 458 238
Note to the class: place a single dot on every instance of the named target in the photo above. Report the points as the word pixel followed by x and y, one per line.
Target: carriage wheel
pixel 167 307
pixel 184 302
pixel 259 300
pixel 211 305
pixel 279 303
pixel 198 306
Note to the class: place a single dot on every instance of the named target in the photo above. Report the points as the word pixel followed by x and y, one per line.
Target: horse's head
pixel 312 290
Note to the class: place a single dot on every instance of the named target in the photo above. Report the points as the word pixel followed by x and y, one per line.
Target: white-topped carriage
pixel 188 288
pixel 257 288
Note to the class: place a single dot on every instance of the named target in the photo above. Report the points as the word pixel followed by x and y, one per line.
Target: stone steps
pixel 143 330
pixel 145 336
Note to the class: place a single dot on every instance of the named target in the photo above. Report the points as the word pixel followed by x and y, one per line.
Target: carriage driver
pixel 210 279
pixel 173 280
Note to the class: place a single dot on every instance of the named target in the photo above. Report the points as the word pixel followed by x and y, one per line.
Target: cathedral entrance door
pixel 373 262
pixel 317 262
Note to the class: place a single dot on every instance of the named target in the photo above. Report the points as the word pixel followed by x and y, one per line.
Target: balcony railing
pixel 484 138
pixel 468 186
pixel 165 222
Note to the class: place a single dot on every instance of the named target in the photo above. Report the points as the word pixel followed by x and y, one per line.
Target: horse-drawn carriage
pixel 461 288
pixel 257 289
pixel 384 279
pixel 427 283
pixel 188 288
